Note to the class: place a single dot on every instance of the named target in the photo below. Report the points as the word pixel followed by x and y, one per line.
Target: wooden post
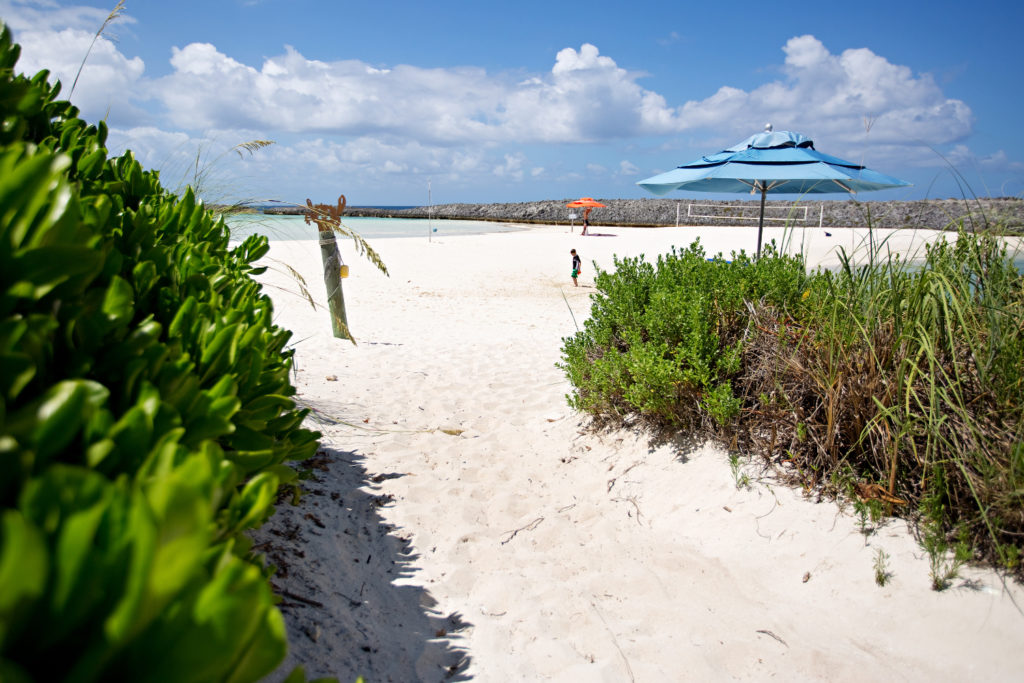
pixel 327 218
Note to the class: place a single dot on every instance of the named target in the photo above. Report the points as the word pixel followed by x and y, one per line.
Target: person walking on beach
pixel 577 267
pixel 586 223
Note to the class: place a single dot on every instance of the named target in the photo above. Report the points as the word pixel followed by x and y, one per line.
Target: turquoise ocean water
pixel 295 228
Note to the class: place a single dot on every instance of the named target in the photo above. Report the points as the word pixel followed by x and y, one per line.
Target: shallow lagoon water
pixel 295 228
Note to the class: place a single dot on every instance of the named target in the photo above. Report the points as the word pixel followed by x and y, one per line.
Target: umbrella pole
pixel 760 224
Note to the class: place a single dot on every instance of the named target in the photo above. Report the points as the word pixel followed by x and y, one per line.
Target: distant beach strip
pixel 291 227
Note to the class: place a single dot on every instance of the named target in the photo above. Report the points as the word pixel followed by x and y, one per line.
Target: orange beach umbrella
pixel 588 203
pixel 585 201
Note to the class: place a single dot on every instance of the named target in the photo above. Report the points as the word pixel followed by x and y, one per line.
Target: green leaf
pixel 220 352
pixel 75 544
pixel 245 439
pixel 171 522
pixel 24 568
pixel 119 301
pixel 284 473
pixel 184 318
pixel 97 452
pixel 254 503
pixel 144 277
pixel 133 434
pixel 258 412
pixel 33 195
pixel 50 423
pixel 39 270
pixel 90 165
pixel 264 651
pixel 16 370
pixel 206 637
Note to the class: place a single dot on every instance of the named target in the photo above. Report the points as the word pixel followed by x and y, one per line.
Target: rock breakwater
pixel 1004 214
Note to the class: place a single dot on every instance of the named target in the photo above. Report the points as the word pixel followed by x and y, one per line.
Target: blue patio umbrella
pixel 778 162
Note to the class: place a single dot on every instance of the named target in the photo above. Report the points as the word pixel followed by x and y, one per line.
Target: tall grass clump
pixel 899 382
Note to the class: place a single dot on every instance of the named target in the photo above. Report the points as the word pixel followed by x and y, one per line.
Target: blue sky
pixel 506 102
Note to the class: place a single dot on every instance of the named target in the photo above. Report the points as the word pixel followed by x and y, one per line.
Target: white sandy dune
pixel 465 524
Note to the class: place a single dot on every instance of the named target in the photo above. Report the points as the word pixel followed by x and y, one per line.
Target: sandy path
pixel 517 545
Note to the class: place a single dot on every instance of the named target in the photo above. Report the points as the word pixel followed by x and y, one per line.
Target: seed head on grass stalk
pixel 114 14
pixel 304 293
pixel 205 179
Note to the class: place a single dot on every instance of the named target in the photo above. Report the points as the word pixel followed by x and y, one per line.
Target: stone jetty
pixel 1003 214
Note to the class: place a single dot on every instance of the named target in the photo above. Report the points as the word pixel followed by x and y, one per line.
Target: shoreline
pixel 463 523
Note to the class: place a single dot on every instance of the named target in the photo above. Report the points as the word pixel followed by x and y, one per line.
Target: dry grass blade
pixel 346 332
pixel 303 293
pixel 114 14
pixel 295 274
pixel 363 247
pixel 296 277
pixel 252 146
pixel 205 173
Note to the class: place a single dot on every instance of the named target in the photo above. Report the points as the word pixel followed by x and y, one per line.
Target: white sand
pixel 529 548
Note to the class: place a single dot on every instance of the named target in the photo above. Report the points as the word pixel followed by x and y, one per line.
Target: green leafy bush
pixel 908 376
pixel 145 415
pixel 663 341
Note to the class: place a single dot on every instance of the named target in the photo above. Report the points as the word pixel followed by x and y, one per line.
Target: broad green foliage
pixel 145 415
pixel 661 340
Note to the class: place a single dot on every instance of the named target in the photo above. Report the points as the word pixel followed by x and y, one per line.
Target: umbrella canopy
pixel 585 201
pixel 588 204
pixel 778 162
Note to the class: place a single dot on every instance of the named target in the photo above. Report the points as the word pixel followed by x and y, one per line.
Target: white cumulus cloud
pixel 843 101
pixel 585 97
pixel 512 167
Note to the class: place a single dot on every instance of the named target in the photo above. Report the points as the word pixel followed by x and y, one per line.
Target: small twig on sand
pixel 566 300
pixel 772 635
pixel 638 462
pixel 611 482
pixel 631 499
pixel 757 520
pixel 615 642
pixel 293 596
pixel 352 602
pixel 529 527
